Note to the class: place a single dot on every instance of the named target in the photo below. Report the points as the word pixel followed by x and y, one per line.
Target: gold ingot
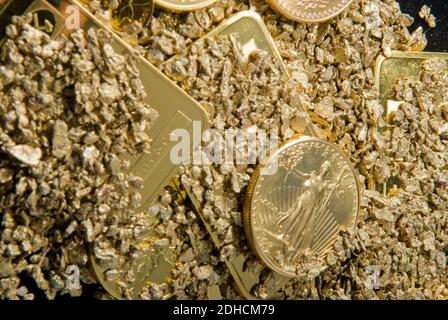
pixel 400 64
pixel 176 110
pixel 252 34
pixel 387 70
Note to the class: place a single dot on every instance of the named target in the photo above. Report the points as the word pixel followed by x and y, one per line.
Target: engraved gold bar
pixel 176 110
pixel 387 70
pixel 253 35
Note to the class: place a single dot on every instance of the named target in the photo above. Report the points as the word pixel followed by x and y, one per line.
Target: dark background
pixel 437 37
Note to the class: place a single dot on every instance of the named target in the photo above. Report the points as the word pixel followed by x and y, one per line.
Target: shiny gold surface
pixel 309 11
pixel 184 5
pixel 176 110
pixel 153 267
pixel 251 30
pixel 387 71
pixel 399 65
pixel 253 34
pixel 302 207
pixel 129 11
pixel 245 279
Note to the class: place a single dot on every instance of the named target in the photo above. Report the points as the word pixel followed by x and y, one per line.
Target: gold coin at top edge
pixel 129 11
pixel 309 11
pixel 184 5
pixel 298 201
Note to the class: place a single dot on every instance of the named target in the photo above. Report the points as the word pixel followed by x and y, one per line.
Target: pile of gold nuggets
pixel 221 149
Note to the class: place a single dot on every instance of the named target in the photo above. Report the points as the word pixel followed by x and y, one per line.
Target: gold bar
pixel 401 64
pixel 387 70
pixel 253 35
pixel 176 109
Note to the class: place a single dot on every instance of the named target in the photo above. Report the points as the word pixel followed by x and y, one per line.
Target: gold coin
pixel 129 11
pixel 252 34
pixel 2 3
pixel 184 5
pixel 298 201
pixel 309 11
pixel 153 267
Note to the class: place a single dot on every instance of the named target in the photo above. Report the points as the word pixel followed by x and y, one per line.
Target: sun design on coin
pixel 133 10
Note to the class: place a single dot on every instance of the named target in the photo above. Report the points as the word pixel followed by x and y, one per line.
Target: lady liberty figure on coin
pixel 299 222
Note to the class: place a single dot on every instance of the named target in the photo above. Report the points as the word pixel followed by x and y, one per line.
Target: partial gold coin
pixel 184 5
pixel 129 11
pixel 298 201
pixel 309 11
pixel 151 265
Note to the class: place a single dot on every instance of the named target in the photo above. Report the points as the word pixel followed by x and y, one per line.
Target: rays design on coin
pixel 298 201
pixel 309 11
pixel 184 5
pixel 132 10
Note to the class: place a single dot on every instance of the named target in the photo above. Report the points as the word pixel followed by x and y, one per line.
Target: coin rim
pixel 182 8
pixel 276 7
pixel 247 203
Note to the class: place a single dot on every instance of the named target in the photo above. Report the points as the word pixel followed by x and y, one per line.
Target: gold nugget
pixel 399 65
pixel 155 169
pixel 252 34
pixel 387 71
